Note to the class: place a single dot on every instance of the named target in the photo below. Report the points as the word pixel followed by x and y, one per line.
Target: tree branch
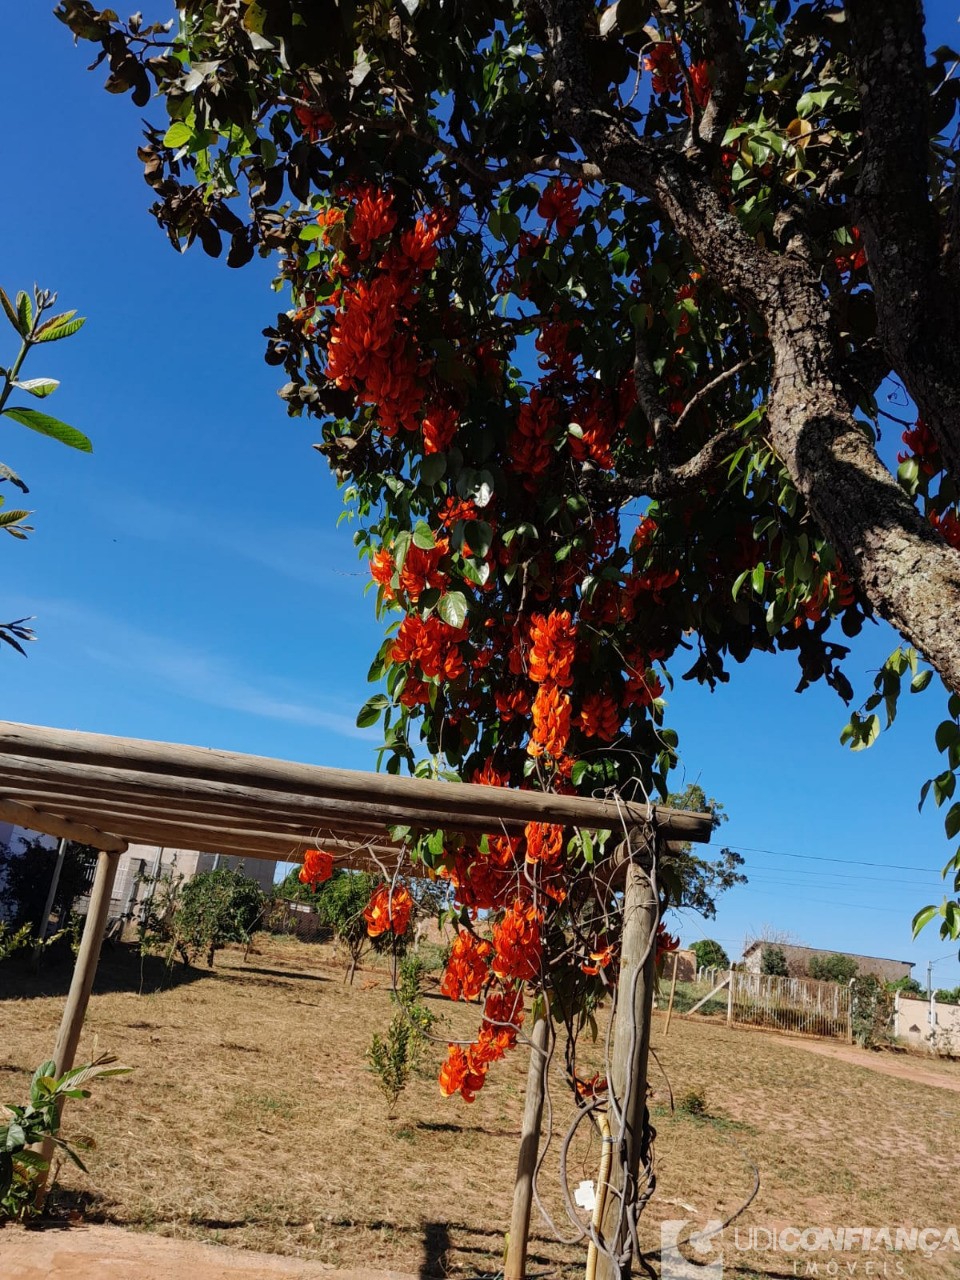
pixel 672 482
pixel 723 46
pixel 918 296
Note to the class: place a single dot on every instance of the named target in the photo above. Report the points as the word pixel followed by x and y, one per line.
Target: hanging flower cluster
pixel 388 910
pixel 317 867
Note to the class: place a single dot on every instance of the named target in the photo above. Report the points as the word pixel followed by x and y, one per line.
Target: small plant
pixel 23 1127
pixel 395 1056
pixel 692 1103
pixel 13 940
pixel 201 916
pixel 871 1007
pixel 835 968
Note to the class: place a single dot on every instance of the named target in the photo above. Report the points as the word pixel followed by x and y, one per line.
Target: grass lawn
pixel 251 1118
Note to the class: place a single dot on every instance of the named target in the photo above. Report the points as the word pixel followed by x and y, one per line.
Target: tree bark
pixel 906 571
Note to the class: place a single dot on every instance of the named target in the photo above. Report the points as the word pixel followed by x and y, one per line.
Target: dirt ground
pixel 251 1120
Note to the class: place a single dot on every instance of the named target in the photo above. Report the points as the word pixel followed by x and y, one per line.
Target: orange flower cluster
pixel 421 569
pixel 467 969
pixel 439 428
pixel 597 426
pixel 642 686
pixel 462 1073
pixel 600 959
pixel 373 218
pixel 558 205
pixel 665 942
pixel 664 66
pixel 923 446
pixel 512 704
pixel 516 943
pixel 530 443
pixel 552 648
pixel 317 867
pixel 371 352
pixel 851 257
pixel 551 722
pixel 430 644
pixel 600 716
pixel 382 569
pixel 544 842
pixel 465 1070
pixel 388 910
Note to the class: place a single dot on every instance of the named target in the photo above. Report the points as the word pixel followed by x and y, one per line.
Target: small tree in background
pixel 773 961
pixel 214 908
pixel 908 986
pixel 835 968
pixel 871 1007
pixel 710 954
pixel 340 902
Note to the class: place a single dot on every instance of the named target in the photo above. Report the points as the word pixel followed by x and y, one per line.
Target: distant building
pixel 798 960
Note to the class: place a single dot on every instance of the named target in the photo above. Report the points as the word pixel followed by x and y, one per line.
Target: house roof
pixel 823 951
pixel 110 791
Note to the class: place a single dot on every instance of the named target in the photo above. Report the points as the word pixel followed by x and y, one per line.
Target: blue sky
pixel 190 584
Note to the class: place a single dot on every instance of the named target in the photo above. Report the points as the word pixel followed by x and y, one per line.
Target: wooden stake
pixel 628 1068
pixel 673 990
pixel 730 999
pixel 515 1267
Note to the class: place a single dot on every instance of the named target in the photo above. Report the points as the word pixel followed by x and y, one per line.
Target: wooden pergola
pixel 108 792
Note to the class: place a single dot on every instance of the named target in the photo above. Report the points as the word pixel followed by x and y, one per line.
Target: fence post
pixel 730 1000
pixel 515 1267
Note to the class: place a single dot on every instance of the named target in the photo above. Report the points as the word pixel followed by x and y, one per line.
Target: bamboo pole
pixel 673 991
pixel 515 1267
pixel 628 1067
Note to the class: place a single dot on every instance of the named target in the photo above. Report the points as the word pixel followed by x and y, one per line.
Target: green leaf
pixel 52 427
pixel 12 517
pixel 432 469
pixel 177 135
pixel 868 732
pixel 11 312
pixel 423 536
pixel 7 473
pixel 920 681
pixel 39 387
pixel 951 823
pixel 946 735
pixel 369 713
pixel 758 576
pixel 24 312
pixel 452 608
pixel 923 918
pixel 53 332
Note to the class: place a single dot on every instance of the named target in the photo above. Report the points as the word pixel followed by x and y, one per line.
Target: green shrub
pixel 710 954
pixel 871 1007
pixel 835 968
pixel 773 961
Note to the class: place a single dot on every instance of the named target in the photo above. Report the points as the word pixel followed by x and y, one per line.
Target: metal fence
pixel 800 1005
pixel 790 1004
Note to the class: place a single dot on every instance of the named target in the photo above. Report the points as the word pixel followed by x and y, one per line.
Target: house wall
pixel 912 1024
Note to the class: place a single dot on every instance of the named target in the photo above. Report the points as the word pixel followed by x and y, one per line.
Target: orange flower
pixel 317 867
pixel 516 943
pixel 431 644
pixel 551 722
pixel 665 941
pixel 599 960
pixel 388 910
pixel 373 218
pixel 420 569
pixel 559 204
pixel 600 716
pixel 466 970
pixel 530 442
pixel 662 62
pixel 382 569
pixel 544 842
pixel 462 1073
pixel 552 648
pixel 439 428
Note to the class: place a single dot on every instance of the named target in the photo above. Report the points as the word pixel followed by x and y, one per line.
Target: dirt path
pixel 109 1253
pixel 903 1068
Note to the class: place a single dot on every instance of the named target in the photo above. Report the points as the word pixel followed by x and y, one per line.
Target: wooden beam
pixel 418 801
pixel 24 815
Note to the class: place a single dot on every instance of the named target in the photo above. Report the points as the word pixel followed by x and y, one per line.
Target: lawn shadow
pixel 121 969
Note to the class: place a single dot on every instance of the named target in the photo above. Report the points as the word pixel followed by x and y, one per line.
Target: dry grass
pixel 251 1119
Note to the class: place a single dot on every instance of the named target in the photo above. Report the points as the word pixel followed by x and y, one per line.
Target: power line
pixel 820 857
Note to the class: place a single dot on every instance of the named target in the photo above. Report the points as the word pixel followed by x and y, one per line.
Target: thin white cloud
pixel 197 674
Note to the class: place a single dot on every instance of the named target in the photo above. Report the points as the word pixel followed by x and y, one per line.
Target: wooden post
pixel 85 968
pixel 84 972
pixel 628 1067
pixel 730 1000
pixel 673 990
pixel 515 1267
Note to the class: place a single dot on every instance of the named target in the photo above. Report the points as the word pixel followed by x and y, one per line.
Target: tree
pixel 710 954
pixel 25 880
pixel 33 328
pixel 835 968
pixel 773 961
pixel 340 903
pixel 593 317
pixel 908 986
pixel 692 881
pixel 214 908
